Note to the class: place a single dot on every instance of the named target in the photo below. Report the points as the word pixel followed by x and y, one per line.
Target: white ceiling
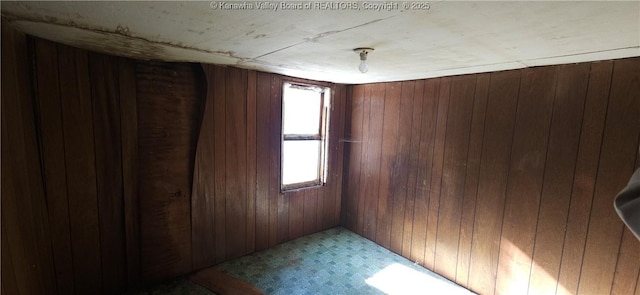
pixel 448 38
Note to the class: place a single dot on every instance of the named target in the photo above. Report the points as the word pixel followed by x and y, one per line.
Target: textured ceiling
pixel 310 41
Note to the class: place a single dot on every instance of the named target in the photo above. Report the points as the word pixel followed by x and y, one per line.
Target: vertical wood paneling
pixel 263 95
pixel 203 198
pixel 637 286
pixel 389 141
pixel 80 164
pixel 564 137
pixel 251 161
pixel 416 116
pixel 585 175
pixel 453 174
pixel 436 173
pixel 496 152
pixel 514 159
pixel 398 188
pixel 332 212
pixel 129 127
pixel 169 104
pixel 108 146
pixel 250 212
pixel 9 284
pixel 296 214
pixel 627 267
pixel 526 173
pixel 354 151
pixel 52 141
pixel 337 146
pixel 118 141
pixel 277 216
pixel 321 196
pixel 309 211
pixel 236 160
pixel 362 194
pixel 220 159
pixel 425 160
pixel 471 178
pixel 372 166
pixel 88 157
pixel 24 217
pixel 619 148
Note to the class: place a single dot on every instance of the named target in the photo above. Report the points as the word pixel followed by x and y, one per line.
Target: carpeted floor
pixel 335 261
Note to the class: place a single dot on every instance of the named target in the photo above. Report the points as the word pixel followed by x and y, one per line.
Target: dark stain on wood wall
pixel 84 161
pixel 170 97
pixel 27 250
pixel 237 205
pixel 502 182
pixel 98 167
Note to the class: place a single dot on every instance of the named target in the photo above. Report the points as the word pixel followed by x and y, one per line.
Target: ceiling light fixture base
pixel 363 52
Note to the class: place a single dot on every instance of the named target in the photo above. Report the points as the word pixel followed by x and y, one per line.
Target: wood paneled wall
pixel 502 182
pixel 237 205
pixel 98 166
pixel 170 99
pixel 82 146
pixel 27 258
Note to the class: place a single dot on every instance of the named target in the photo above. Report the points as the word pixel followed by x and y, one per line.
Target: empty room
pixel 320 147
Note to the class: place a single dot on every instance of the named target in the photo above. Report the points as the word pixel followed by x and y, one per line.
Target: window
pixel 305 120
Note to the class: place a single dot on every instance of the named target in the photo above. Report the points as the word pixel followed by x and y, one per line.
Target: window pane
pixel 300 161
pixel 301 111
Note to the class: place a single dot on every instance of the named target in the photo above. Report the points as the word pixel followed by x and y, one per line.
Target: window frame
pixel 326 94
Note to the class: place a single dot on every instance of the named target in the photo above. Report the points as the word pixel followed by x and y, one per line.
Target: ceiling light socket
pixel 363 52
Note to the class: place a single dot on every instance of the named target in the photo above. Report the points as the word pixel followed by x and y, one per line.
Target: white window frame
pixel 322 136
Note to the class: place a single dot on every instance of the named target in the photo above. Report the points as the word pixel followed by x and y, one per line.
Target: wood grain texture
pixel 337 147
pixel 593 120
pixel 112 147
pixel 52 140
pixel 493 177
pixel 390 125
pixel 371 167
pixel 362 195
pixel 296 216
pixel 272 150
pixel 471 179
pixel 354 152
pixel 203 192
pixel 526 174
pixel 251 126
pixel 525 169
pixel 129 130
pixel 236 163
pixel 218 82
pixel 108 146
pixel 412 173
pixel 437 173
pixel 619 148
pixel 9 284
pixel 263 121
pixel 24 215
pixel 400 160
pixel 75 91
pixel 453 174
pixel 248 211
pixel 564 137
pixel 169 102
pixel 425 161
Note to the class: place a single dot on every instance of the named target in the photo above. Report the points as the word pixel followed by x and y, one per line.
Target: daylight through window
pixel 305 119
